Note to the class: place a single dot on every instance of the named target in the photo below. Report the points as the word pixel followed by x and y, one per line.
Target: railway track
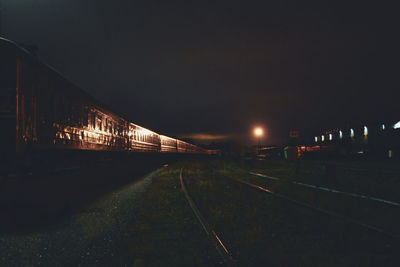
pixel 221 248
pixel 326 189
pixel 233 258
pixel 320 210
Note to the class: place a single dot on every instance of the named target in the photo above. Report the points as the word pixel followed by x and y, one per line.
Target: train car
pixel 181 146
pixel 184 147
pixel 193 149
pixel 168 144
pixel 100 130
pixel 143 140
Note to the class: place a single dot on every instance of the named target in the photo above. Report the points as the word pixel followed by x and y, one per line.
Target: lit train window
pixel 351 133
pixel 340 134
pixel 322 138
pixel 330 136
pixel 93 121
pixel 316 139
pixel 365 131
pixel 397 125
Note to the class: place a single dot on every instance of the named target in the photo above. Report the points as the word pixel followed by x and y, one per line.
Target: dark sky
pixel 222 67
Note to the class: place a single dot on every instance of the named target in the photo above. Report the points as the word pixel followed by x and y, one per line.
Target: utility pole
pixel 1 19
pixel 258 132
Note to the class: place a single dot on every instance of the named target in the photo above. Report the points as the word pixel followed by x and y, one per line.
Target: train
pixel 42 110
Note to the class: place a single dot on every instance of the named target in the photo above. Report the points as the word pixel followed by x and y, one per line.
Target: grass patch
pixel 167 233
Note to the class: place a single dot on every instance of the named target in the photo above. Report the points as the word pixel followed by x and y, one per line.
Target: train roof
pixel 23 51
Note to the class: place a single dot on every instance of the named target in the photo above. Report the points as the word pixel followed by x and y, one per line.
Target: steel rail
pixel 347 167
pixel 385 172
pixel 327 212
pixel 212 235
pixel 326 189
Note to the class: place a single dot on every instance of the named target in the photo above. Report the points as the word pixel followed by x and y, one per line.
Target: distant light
pixel 397 125
pixel 258 132
pixel 322 138
pixel 351 132
pixel 316 139
pixel 330 136
pixel 383 127
pixel 340 134
pixel 365 131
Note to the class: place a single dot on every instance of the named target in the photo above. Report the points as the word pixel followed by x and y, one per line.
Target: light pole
pixel 1 17
pixel 258 133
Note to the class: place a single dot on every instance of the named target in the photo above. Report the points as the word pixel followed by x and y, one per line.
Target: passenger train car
pixel 40 109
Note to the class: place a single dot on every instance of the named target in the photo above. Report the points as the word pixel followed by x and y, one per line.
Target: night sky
pixel 214 69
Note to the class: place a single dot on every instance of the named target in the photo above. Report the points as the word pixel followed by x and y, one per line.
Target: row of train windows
pixel 144 138
pixel 170 143
pixel 96 122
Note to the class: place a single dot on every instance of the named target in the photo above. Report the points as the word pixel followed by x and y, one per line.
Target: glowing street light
pixel 258 132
